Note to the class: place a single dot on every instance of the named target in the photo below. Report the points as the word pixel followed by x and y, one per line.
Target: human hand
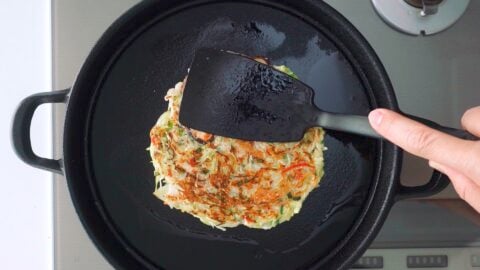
pixel 457 158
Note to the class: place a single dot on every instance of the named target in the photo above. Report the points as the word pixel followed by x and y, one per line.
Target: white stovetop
pixel 434 77
pixel 26 193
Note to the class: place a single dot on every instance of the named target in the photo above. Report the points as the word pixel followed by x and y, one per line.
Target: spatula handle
pixel 459 133
pixel 355 124
pixel 360 125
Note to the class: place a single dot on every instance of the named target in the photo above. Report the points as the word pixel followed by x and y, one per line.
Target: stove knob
pixel 429 7
pixel 420 17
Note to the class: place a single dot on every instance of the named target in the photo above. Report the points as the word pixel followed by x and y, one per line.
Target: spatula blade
pixel 230 95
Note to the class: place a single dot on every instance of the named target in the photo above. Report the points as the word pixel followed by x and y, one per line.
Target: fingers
pixel 428 143
pixel 465 187
pixel 444 151
pixel 471 121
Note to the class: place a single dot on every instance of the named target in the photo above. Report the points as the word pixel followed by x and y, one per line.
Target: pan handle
pixel 438 181
pixel 21 129
pixel 436 184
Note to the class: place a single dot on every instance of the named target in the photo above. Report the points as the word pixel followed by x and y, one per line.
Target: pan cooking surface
pixel 130 100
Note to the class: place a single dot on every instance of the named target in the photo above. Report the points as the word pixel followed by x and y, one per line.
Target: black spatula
pixel 234 96
pixel 231 95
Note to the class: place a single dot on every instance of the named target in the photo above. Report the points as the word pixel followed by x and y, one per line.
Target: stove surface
pixel 434 77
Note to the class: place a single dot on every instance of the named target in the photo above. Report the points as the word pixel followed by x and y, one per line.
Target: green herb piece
pixel 180 169
pixel 286 70
pixel 295 198
pixel 259 160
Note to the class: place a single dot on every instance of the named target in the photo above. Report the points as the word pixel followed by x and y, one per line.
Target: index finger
pixel 428 143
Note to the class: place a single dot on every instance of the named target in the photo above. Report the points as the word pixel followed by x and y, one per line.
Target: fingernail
pixel 436 166
pixel 433 164
pixel 375 117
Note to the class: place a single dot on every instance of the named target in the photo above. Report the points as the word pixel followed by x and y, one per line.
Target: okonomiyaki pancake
pixel 227 182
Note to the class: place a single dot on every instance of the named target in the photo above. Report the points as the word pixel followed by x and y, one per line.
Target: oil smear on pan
pixel 327 70
pixel 230 32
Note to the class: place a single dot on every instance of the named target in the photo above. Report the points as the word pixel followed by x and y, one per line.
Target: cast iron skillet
pixel 118 96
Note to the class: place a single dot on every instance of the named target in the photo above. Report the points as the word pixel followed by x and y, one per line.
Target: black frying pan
pixel 118 96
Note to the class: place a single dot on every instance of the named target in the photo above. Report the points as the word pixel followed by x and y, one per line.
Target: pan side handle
pixel 436 184
pixel 21 129
pixel 438 181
